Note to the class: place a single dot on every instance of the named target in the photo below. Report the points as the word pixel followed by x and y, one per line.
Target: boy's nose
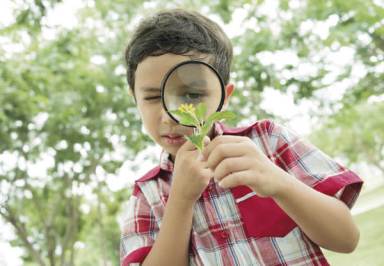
pixel 165 118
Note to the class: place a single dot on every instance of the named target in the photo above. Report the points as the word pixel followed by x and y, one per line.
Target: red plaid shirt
pixel 235 226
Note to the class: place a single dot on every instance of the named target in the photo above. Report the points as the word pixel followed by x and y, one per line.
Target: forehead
pixel 152 69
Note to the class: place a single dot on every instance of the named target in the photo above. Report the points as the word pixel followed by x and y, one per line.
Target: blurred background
pixel 71 143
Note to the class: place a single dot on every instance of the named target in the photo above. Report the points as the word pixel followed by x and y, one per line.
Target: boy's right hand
pixel 191 175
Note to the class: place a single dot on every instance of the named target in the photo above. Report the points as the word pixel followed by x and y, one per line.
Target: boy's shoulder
pixel 150 175
pixel 155 171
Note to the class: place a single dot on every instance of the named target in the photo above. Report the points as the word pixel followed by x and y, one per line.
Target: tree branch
pixel 21 232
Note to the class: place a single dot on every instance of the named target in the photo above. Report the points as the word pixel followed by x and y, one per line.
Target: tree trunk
pixel 104 261
pixel 21 232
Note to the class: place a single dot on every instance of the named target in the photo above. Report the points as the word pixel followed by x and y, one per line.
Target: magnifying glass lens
pixel 192 82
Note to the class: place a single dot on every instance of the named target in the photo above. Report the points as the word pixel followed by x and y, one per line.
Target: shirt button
pixel 224 235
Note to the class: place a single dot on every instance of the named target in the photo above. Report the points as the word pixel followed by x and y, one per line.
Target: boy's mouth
pixel 173 139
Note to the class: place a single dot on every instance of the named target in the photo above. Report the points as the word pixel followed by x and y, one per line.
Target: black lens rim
pixel 168 74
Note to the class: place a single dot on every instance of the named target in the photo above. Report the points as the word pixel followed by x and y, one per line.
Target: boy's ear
pixel 229 88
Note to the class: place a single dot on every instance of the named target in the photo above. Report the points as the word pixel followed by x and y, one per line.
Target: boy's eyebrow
pixel 193 83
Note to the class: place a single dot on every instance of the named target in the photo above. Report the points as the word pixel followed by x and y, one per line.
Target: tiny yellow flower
pixel 187 108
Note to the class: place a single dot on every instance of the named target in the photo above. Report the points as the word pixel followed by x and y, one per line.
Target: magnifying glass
pixel 192 82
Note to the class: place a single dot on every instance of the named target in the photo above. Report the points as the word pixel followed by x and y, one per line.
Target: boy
pixel 258 195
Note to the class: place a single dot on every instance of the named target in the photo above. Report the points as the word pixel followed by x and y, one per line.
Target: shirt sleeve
pixel 313 167
pixel 138 231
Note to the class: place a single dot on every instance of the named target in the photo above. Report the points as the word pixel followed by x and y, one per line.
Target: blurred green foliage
pixel 65 97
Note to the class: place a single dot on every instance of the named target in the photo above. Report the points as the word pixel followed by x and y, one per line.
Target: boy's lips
pixel 173 138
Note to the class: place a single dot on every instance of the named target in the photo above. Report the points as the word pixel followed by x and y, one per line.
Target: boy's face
pixel 161 128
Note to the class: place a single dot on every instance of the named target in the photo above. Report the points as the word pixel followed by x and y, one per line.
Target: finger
pixel 188 146
pixel 188 154
pixel 206 173
pixel 204 165
pixel 221 140
pixel 226 150
pixel 234 179
pixel 206 140
pixel 230 165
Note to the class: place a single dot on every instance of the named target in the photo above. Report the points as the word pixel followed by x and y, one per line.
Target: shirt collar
pixel 165 159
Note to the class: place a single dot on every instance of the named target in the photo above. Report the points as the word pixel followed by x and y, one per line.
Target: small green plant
pixel 190 115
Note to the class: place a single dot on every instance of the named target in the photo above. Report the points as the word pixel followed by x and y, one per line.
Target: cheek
pixel 149 120
pixel 149 113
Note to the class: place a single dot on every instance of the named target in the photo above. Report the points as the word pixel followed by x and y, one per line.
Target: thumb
pixel 206 140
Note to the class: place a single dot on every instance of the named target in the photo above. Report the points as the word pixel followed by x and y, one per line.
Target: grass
pixel 370 195
pixel 370 250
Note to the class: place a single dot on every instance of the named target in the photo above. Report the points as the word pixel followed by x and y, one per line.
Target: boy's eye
pixel 152 98
pixel 192 97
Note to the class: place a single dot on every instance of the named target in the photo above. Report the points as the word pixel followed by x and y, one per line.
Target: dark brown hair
pixel 179 32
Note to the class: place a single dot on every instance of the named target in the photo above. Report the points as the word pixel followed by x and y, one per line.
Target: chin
pixel 172 152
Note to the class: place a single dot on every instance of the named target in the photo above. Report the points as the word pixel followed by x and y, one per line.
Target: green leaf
pixel 201 110
pixel 220 116
pixel 185 118
pixel 196 140
pixel 206 127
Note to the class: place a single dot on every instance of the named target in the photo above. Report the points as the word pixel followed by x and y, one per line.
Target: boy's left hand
pixel 236 160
